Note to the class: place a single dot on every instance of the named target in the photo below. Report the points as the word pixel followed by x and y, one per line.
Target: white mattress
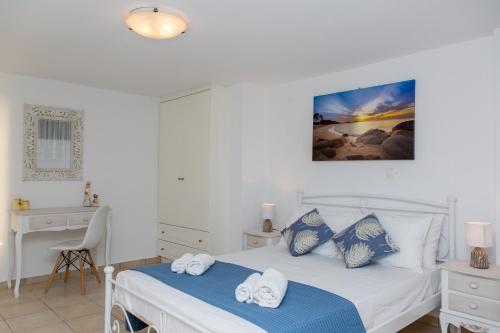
pixel 378 292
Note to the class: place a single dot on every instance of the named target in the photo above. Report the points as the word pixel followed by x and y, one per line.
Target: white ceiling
pixel 229 41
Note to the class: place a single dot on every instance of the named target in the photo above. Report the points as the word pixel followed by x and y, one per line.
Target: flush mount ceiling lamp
pixel 152 23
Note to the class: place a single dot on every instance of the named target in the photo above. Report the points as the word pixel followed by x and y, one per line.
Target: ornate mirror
pixel 53 142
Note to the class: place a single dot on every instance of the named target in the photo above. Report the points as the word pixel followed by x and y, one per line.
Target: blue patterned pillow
pixel 364 242
pixel 307 233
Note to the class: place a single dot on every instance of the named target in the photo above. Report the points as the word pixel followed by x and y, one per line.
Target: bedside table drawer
pixel 253 241
pixel 474 285
pixel 476 307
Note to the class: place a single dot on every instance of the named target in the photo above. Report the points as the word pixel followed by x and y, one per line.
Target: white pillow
pixel 409 234
pixel 336 220
pixel 432 241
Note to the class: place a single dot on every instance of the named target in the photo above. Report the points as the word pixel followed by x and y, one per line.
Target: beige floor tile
pixel 56 301
pixel 4 328
pixel 63 289
pixel 21 309
pixel 7 297
pixel 78 310
pixel 97 297
pixel 52 328
pixel 88 324
pixel 32 321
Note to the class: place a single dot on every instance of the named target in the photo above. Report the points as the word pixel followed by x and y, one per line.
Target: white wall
pixel 496 107
pixel 120 158
pixel 455 135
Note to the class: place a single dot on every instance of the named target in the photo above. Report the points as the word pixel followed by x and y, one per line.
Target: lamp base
pixel 479 258
pixel 267 226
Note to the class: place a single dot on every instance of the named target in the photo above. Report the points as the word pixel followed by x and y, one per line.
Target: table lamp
pixel 479 235
pixel 267 210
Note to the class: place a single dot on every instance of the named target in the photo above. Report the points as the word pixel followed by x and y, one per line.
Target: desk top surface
pixel 48 211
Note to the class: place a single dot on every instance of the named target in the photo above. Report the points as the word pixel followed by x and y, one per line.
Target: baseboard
pixel 118 267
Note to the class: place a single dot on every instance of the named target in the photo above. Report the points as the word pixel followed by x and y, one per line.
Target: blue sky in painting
pixel 388 101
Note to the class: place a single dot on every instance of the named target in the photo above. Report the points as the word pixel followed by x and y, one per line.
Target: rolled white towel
pixel 270 289
pixel 244 291
pixel 199 264
pixel 179 265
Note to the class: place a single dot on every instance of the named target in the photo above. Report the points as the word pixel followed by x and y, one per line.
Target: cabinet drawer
pixel 174 251
pixel 79 219
pixel 476 307
pixel 44 222
pixel 183 236
pixel 474 285
pixel 253 241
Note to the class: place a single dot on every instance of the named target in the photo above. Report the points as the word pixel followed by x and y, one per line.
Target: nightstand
pixel 257 238
pixel 470 297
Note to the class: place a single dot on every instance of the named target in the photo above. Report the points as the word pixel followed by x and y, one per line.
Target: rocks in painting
pixel 398 147
pixel 357 157
pixel 329 152
pixel 335 143
pixel 319 156
pixel 408 125
pixel 403 132
pixel 373 136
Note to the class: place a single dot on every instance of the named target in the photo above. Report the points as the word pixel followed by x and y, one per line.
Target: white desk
pixel 46 219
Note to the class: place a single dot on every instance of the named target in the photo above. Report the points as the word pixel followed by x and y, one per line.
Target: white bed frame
pixel 363 202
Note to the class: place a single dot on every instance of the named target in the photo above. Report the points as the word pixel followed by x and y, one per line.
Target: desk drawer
pixel 474 285
pixel 174 251
pixel 184 236
pixel 80 219
pixel 475 306
pixel 48 221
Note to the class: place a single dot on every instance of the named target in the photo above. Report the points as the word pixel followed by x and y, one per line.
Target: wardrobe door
pixel 171 159
pixel 184 161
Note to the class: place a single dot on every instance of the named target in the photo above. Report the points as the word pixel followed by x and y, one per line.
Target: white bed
pixel 387 298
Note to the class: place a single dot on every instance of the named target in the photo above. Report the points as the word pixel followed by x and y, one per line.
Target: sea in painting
pixel 375 123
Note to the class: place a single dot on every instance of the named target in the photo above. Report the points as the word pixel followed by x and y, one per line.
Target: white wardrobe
pixel 184 175
pixel 193 177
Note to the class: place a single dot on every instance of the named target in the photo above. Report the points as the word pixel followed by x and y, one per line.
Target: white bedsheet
pixel 378 292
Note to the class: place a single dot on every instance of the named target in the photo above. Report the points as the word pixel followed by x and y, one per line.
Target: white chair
pixel 71 251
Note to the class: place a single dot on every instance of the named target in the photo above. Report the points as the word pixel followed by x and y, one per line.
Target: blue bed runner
pixel 304 308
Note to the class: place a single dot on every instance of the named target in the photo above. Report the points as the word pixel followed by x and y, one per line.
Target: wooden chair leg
pixel 54 272
pixel 66 272
pixel 82 273
pixel 93 268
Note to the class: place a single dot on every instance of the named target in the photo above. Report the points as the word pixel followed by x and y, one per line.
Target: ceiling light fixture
pixel 151 23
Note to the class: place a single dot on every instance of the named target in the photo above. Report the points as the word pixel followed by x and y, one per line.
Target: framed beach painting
pixel 375 123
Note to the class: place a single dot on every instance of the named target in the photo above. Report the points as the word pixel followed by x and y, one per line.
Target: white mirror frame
pixel 31 115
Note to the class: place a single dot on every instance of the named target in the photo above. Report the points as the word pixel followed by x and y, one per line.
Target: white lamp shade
pixel 267 210
pixel 479 234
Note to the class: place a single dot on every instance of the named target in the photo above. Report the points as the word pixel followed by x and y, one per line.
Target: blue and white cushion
pixel 364 242
pixel 307 233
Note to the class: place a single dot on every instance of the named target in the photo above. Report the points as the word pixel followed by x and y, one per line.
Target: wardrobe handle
pixel 180 179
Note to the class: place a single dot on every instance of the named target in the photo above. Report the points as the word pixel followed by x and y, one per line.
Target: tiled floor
pixel 65 310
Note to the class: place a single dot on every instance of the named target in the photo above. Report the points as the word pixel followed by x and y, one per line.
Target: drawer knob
pixel 162 249
pixel 86 219
pixel 49 221
pixel 473 306
pixel 200 241
pixel 473 285
pixel 163 232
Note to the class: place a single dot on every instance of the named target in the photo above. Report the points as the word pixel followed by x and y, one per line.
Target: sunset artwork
pixel 376 123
